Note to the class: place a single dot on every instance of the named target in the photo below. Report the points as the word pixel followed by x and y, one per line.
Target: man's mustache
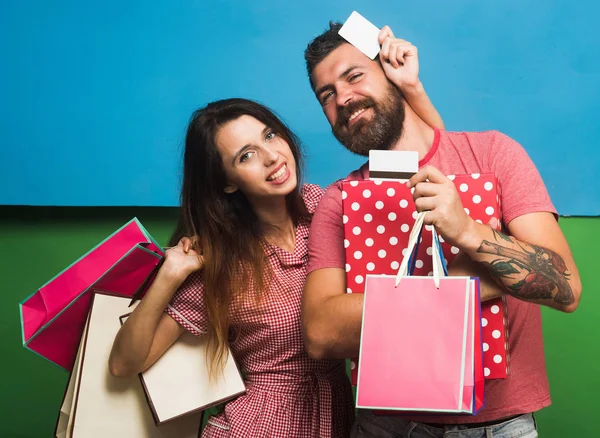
pixel 344 112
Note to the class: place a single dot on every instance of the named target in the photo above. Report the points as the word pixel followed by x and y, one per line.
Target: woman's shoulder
pixel 311 194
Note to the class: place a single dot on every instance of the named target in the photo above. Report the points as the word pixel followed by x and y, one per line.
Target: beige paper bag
pixel 98 405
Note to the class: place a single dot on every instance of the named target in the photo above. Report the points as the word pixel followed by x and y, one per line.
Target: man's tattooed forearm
pixel 536 272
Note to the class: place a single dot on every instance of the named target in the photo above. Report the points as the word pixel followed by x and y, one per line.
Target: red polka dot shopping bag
pixel 377 219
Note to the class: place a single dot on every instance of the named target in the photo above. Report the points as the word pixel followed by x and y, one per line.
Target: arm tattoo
pixel 531 272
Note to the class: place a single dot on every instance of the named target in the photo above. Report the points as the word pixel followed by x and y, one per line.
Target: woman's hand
pixel 400 60
pixel 182 260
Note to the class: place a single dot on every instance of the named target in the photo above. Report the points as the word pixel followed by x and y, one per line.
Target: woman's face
pixel 257 161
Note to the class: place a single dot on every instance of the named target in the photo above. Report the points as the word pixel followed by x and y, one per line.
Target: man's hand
pixel 400 60
pixel 532 263
pixel 436 194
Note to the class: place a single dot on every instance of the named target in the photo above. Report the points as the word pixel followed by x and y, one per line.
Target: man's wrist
pixel 471 238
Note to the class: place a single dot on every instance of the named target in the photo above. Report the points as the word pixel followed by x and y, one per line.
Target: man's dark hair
pixel 321 46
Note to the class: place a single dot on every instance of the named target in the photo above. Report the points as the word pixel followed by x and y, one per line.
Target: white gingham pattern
pixel 289 394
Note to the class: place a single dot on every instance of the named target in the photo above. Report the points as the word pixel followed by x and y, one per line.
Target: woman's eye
pixel 270 135
pixel 246 156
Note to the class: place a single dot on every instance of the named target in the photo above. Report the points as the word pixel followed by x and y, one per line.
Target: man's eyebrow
pixel 345 73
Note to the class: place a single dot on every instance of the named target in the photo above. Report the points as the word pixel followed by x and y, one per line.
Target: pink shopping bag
pixel 52 319
pixel 421 340
pixel 473 396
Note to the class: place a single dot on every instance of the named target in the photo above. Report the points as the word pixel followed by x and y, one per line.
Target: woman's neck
pixel 280 229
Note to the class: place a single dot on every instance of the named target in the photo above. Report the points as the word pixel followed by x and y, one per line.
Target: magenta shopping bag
pixel 52 319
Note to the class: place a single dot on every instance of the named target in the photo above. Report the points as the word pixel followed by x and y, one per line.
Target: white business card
pixel 362 34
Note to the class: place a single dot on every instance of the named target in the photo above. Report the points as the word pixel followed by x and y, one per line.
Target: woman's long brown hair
pixel 230 234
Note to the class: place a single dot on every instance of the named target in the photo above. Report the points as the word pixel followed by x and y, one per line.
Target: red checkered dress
pixel 288 393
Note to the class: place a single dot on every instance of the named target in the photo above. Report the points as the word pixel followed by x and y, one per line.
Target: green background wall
pixel 37 243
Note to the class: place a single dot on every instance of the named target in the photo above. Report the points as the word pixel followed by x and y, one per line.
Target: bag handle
pixel 439 265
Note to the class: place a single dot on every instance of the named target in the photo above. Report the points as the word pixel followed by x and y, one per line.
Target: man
pixel 366 112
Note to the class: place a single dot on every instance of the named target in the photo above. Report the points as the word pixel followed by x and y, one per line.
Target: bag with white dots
pixel 421 347
pixel 378 215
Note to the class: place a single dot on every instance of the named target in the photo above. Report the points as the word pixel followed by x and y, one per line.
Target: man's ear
pixel 230 188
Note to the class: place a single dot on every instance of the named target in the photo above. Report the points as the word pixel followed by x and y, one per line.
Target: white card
pixel 362 34
pixel 394 165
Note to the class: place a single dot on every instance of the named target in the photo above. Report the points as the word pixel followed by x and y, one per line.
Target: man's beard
pixel 383 129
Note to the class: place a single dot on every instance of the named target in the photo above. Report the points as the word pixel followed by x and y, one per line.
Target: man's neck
pixel 416 135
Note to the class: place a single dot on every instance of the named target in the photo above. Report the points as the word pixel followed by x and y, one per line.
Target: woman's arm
pixel 149 331
pixel 419 101
pixel 400 62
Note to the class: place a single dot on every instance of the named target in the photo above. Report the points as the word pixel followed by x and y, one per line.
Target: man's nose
pixel 344 96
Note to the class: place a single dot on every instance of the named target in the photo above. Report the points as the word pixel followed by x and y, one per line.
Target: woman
pixel 241 284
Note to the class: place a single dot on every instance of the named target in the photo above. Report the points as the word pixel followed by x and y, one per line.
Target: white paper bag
pixel 98 405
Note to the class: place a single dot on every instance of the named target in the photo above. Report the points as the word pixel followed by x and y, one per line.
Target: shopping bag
pixel 98 405
pixel 377 217
pixel 52 319
pixel 179 384
pixel 419 343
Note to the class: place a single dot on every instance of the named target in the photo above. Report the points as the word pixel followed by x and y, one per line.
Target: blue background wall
pixel 96 95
